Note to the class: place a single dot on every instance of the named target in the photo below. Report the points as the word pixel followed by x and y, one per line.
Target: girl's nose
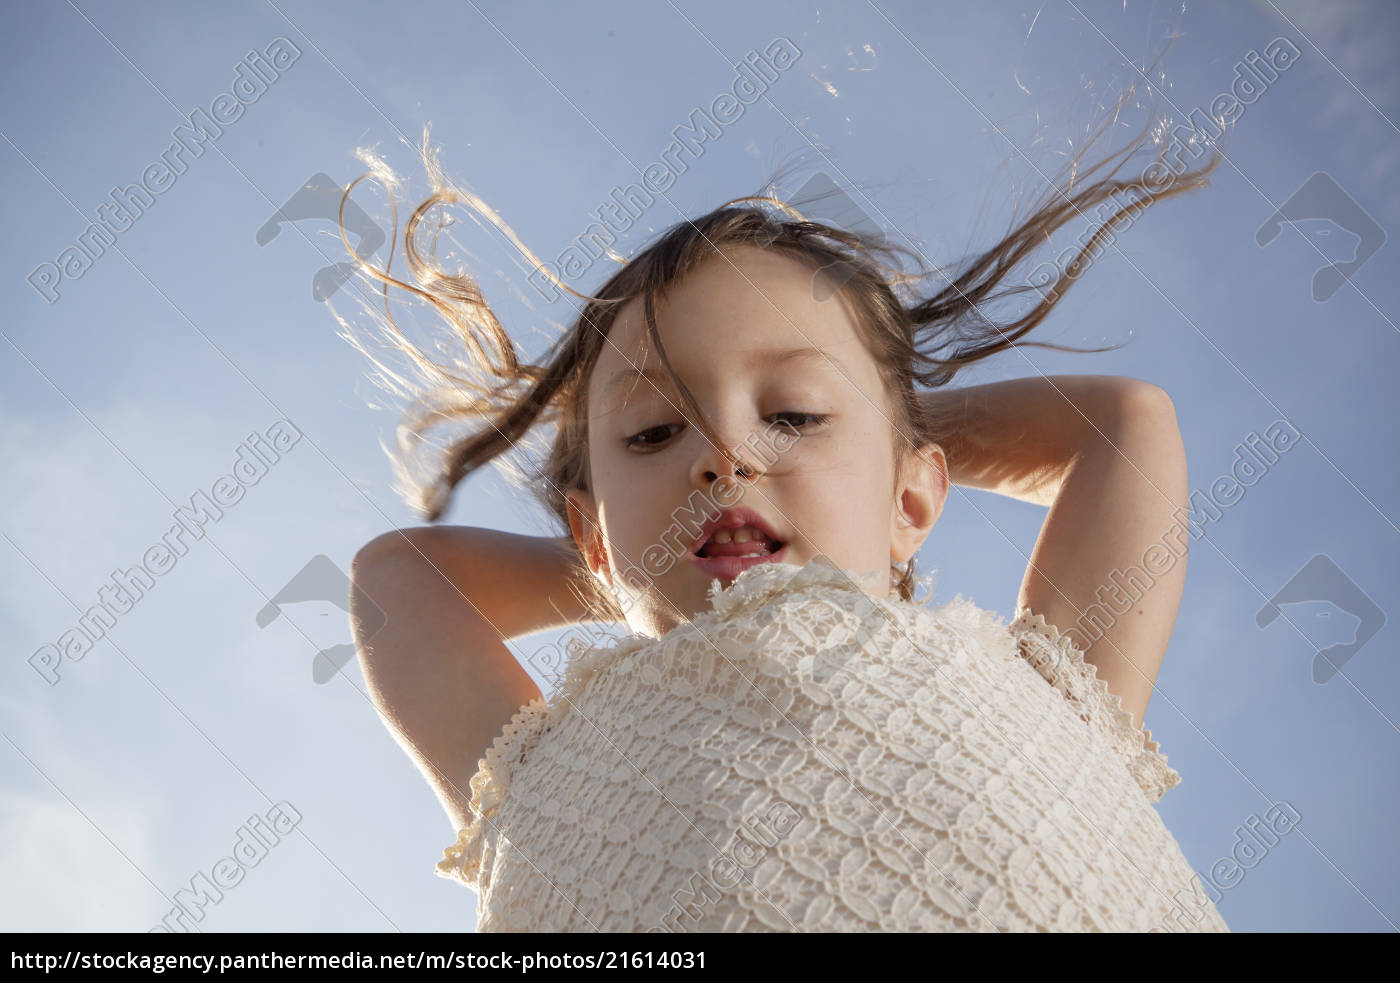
pixel 740 471
pixel 711 464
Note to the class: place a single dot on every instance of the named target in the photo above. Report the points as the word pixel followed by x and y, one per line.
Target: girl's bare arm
pixel 432 608
pixel 1105 454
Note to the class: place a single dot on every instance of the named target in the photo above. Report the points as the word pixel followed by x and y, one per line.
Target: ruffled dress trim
pixel 1061 664
pixel 462 860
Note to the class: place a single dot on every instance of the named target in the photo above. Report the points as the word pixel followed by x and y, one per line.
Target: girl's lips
pixel 729 567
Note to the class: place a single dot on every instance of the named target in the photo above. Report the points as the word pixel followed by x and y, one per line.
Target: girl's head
pixel 805 415
pixel 750 358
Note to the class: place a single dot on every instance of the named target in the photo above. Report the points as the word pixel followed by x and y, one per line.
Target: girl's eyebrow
pixel 772 356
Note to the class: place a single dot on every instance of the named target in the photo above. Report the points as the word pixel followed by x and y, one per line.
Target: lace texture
pixel 807 756
pixel 1061 664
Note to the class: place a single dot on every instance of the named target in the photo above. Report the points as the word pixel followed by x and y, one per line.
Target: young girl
pixel 754 436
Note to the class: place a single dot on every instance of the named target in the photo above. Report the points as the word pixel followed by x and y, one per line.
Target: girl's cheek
pixel 803 454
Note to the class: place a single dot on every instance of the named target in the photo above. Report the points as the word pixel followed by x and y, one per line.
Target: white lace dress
pixel 808 757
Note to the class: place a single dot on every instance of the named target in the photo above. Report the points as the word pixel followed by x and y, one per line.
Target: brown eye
pixel 659 435
pixel 811 419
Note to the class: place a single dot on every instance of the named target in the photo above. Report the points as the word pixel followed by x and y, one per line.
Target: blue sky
pixel 136 386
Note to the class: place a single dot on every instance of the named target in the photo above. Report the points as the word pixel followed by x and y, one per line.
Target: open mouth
pixel 734 541
pixel 745 541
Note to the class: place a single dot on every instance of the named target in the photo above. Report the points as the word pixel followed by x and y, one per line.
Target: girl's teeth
pixel 758 544
pixel 742 535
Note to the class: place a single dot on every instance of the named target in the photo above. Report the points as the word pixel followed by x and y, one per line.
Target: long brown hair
pixel 917 341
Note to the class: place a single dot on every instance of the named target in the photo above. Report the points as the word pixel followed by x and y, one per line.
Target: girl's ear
pixel 588 532
pixel 918 501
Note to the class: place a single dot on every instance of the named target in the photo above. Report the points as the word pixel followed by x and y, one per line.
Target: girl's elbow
pixel 389 555
pixel 1146 401
pixel 381 578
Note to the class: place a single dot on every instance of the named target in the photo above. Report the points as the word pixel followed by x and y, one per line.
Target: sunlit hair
pixel 919 339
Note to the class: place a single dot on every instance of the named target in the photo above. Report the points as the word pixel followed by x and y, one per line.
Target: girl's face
pixel 743 333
